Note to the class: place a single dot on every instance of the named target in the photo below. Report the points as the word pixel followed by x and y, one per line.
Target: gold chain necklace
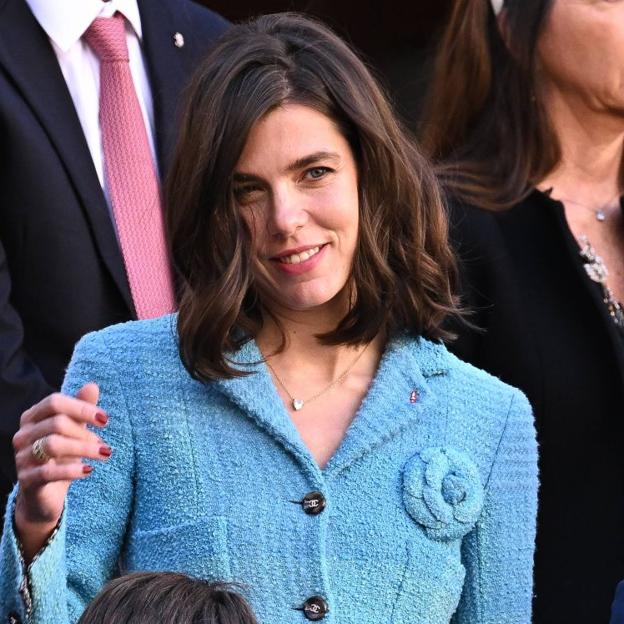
pixel 298 404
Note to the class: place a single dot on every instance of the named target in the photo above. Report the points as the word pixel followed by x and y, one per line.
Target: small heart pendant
pixel 297 404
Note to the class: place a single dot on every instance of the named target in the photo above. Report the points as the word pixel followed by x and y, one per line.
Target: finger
pixel 50 472
pixel 62 450
pixel 59 423
pixel 90 393
pixel 59 447
pixel 78 409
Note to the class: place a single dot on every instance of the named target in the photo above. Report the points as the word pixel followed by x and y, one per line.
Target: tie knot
pixel 107 38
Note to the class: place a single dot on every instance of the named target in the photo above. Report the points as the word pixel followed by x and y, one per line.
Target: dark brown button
pixel 315 608
pixel 313 503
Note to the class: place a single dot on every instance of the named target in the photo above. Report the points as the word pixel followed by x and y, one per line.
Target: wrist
pixel 32 531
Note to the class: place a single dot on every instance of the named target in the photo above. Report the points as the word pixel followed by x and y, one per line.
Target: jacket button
pixel 14 619
pixel 315 608
pixel 313 503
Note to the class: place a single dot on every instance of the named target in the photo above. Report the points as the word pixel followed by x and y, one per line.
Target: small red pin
pixel 413 396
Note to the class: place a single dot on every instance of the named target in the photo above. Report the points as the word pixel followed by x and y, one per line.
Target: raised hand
pixel 50 445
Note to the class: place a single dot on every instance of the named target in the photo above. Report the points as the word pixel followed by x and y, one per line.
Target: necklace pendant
pixel 297 404
pixel 600 215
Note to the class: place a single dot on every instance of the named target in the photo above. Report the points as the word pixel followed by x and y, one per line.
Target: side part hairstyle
pixel 484 124
pixel 403 277
pixel 166 598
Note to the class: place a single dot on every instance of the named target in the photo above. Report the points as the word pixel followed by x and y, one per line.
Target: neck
pixel 304 352
pixel 591 150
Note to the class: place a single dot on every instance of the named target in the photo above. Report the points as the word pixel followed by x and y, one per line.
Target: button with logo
pixel 315 608
pixel 313 503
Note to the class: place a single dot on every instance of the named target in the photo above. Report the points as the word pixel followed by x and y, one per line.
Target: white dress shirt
pixel 65 21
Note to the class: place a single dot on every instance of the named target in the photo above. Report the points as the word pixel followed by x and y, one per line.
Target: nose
pixel 287 213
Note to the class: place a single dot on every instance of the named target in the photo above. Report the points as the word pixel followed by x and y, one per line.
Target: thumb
pixel 90 392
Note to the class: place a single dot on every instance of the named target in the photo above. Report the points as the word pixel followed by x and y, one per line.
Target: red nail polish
pixel 87 469
pixel 106 451
pixel 101 417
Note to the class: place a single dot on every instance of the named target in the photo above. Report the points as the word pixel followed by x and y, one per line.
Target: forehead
pixel 289 133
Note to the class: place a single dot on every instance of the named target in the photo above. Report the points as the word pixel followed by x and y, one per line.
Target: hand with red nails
pixel 50 445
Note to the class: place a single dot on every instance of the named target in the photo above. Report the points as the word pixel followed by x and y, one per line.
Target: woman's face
pixel 581 52
pixel 296 184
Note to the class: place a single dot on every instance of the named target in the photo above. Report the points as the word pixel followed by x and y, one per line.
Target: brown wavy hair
pixel 403 276
pixel 484 124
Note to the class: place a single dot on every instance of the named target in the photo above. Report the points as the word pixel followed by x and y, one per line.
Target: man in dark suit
pixel 61 270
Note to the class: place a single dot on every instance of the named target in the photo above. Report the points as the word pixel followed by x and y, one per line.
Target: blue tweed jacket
pixel 430 499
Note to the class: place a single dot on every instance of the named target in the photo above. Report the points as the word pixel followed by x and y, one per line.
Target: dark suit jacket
pixel 61 272
pixel 617 609
pixel 548 332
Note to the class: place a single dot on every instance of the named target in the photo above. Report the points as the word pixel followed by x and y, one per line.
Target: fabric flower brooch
pixel 442 491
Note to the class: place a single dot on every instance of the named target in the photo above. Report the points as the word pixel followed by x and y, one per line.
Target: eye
pixel 247 193
pixel 317 173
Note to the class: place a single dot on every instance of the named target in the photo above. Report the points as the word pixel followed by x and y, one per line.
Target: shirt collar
pixel 65 21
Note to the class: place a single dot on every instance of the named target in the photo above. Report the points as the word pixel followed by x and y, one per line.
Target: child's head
pixel 166 597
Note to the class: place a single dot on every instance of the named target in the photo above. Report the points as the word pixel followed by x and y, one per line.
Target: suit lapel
pixel 27 57
pixel 166 67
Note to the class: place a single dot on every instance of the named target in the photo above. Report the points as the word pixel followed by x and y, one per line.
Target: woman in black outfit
pixel 525 119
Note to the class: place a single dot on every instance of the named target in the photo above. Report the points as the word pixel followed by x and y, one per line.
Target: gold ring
pixel 38 452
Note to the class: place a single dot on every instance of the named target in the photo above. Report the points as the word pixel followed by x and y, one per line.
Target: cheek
pixel 339 211
pixel 581 49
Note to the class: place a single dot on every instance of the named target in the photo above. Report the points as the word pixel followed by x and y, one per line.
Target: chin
pixel 311 299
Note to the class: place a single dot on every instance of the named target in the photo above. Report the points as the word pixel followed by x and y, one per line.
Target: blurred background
pixel 394 36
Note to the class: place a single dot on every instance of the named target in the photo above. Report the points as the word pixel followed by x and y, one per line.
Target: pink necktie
pixel 130 173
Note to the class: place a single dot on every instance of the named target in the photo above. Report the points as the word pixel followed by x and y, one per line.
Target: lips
pixel 299 260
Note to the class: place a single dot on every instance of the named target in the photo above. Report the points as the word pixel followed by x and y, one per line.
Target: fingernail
pixel 101 417
pixel 87 469
pixel 106 451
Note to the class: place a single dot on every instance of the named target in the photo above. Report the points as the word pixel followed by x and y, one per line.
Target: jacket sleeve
pixel 498 553
pixel 83 553
pixel 21 382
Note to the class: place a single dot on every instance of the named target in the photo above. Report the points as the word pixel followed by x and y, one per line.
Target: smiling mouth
pixel 300 257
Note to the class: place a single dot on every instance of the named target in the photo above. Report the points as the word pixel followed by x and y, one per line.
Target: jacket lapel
pixel 400 396
pixel 167 67
pixel 27 57
pixel 258 398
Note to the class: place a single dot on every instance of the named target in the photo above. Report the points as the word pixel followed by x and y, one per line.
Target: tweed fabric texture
pixel 207 479
pixel 130 173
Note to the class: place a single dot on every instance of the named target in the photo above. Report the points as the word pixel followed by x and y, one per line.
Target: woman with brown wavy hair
pixel 525 120
pixel 299 427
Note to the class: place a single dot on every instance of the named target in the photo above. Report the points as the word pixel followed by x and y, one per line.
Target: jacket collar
pixel 399 396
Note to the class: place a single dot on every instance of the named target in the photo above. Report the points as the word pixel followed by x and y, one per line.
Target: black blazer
pixel 61 271
pixel 548 332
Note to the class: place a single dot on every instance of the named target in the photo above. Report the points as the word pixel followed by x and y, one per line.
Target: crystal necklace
pixel 599 213
pixel 597 271
pixel 298 404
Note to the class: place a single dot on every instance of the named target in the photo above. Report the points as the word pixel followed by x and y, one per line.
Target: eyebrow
pixel 296 165
pixel 306 161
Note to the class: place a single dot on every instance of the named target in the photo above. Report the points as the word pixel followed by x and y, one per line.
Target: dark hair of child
pixel 167 598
